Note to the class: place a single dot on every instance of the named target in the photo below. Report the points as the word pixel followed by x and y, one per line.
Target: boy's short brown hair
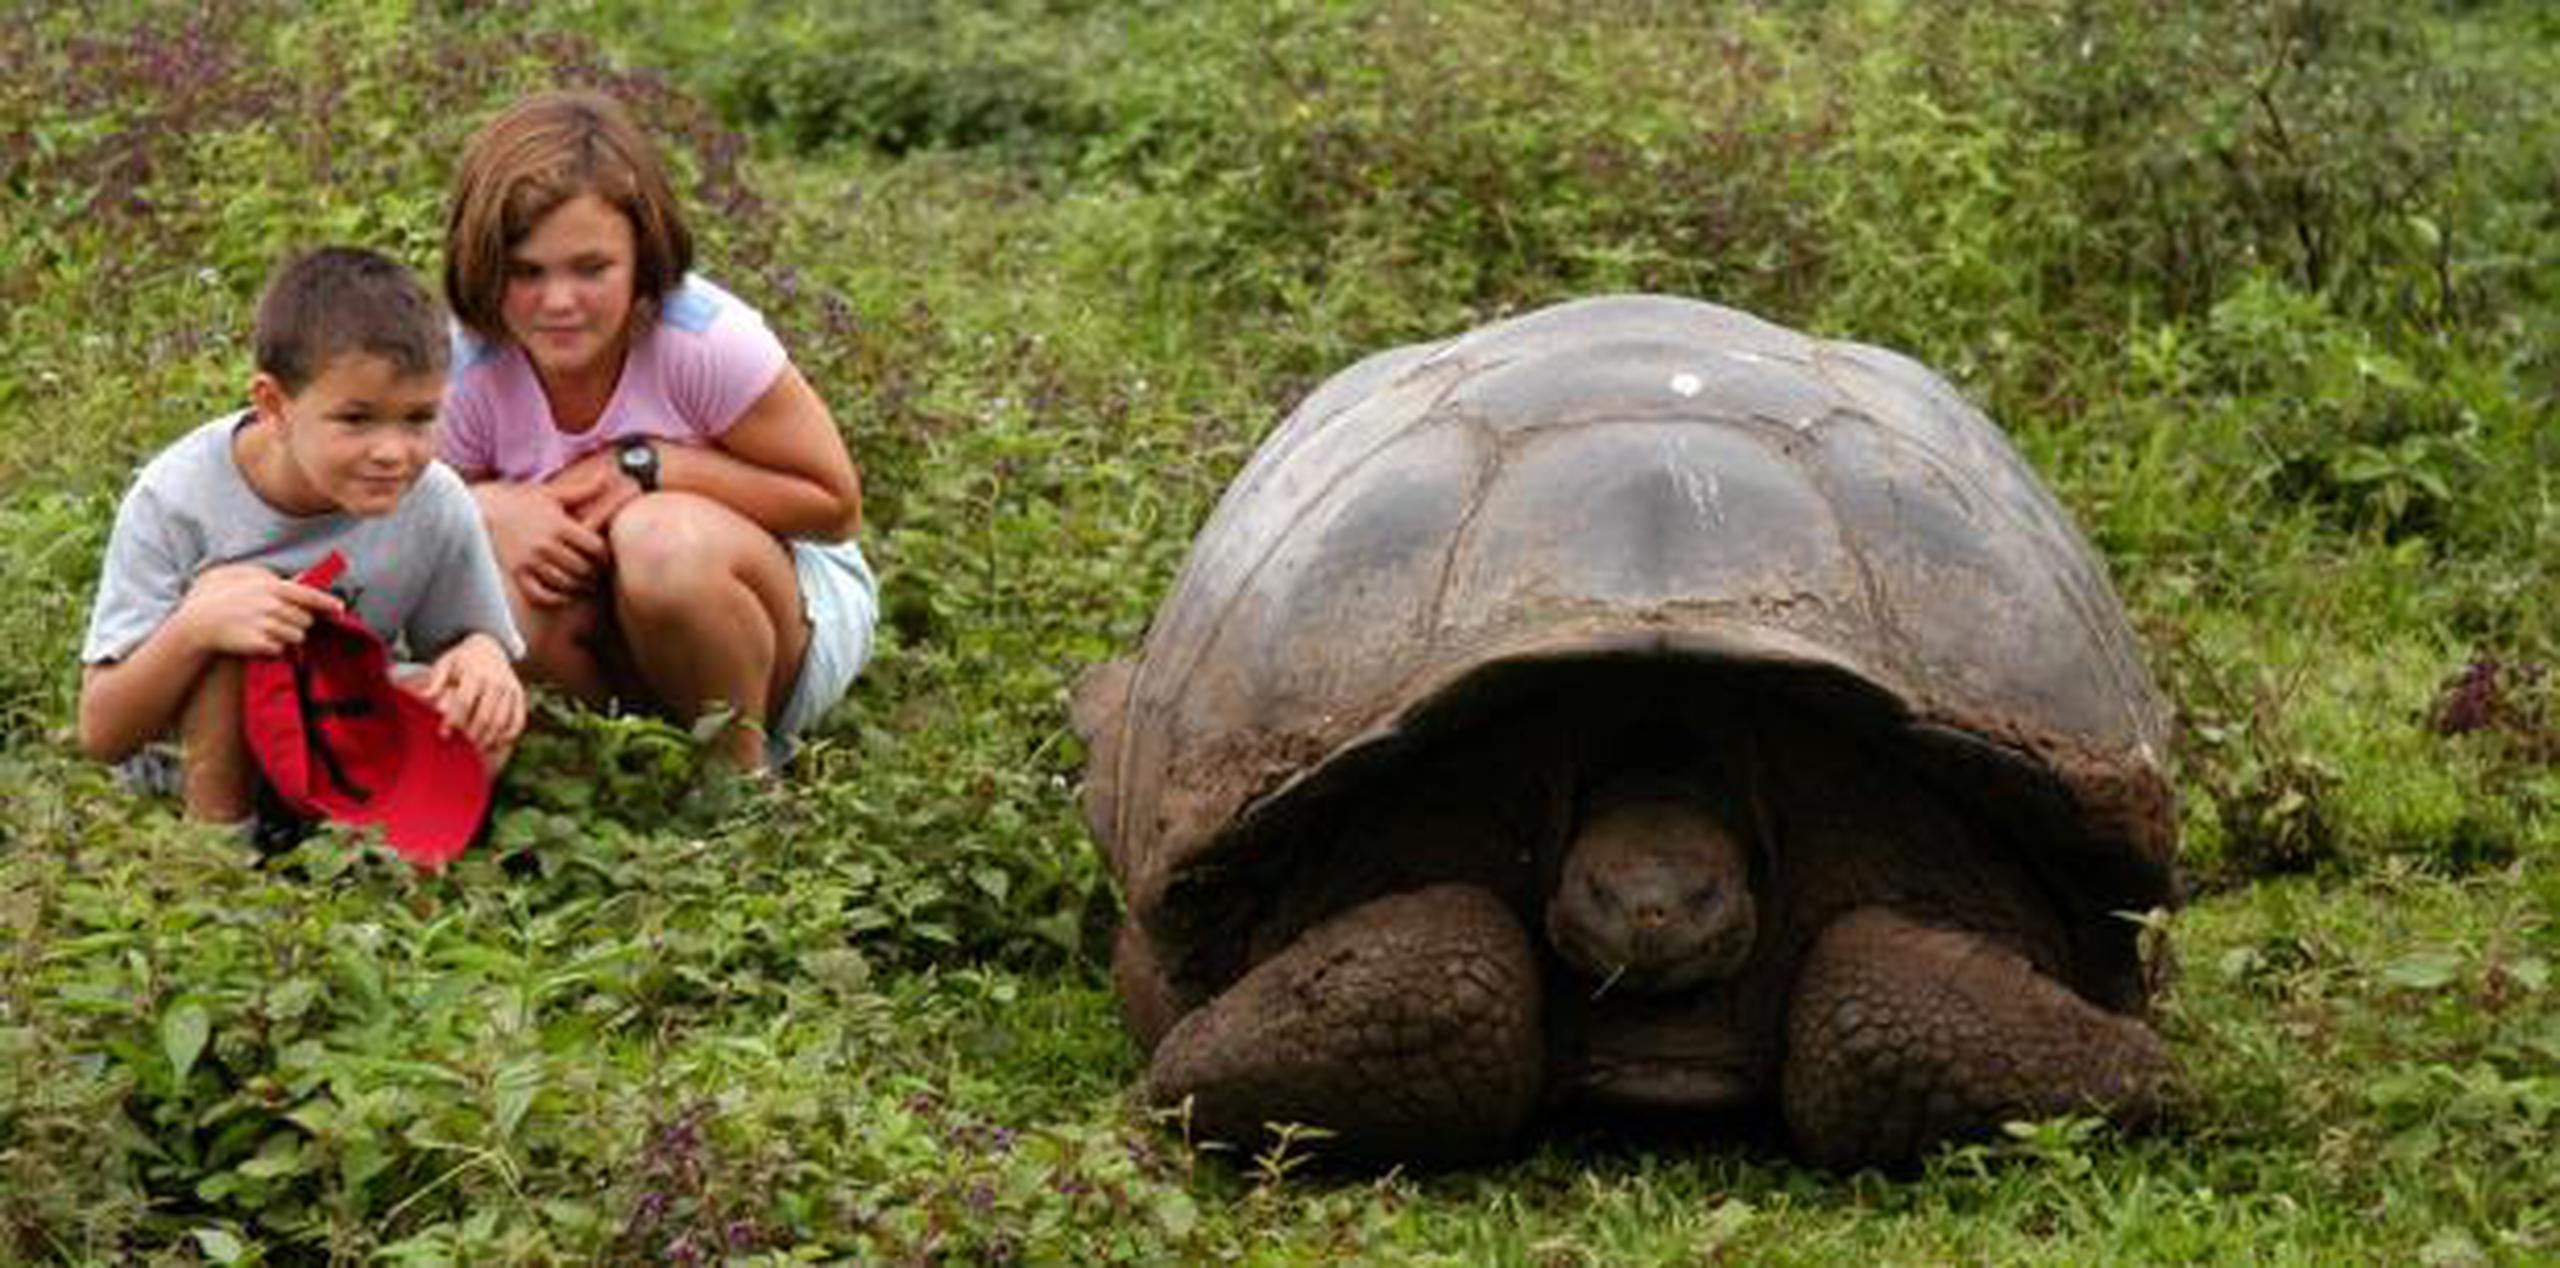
pixel 541 152
pixel 331 301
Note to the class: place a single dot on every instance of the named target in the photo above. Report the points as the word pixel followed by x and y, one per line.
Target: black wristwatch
pixel 638 460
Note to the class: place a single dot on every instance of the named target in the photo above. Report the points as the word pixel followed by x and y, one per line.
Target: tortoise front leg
pixel 1408 1027
pixel 1901 1035
pixel 1148 1003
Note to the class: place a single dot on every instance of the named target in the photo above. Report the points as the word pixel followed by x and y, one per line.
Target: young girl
pixel 670 501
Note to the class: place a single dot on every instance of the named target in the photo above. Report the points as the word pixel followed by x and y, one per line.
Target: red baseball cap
pixel 339 740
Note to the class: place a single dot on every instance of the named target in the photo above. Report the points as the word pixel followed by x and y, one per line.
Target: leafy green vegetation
pixel 2264 288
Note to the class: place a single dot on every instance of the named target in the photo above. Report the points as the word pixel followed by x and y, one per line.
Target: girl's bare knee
pixel 675 555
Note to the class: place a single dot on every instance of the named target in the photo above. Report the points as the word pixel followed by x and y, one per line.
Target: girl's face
pixel 569 290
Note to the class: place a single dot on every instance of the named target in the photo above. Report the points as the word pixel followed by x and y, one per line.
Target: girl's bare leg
pixel 708 607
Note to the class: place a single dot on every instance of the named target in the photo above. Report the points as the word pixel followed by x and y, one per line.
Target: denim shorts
pixel 841 601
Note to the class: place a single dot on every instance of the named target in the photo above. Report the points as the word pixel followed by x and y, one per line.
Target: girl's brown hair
pixel 544 151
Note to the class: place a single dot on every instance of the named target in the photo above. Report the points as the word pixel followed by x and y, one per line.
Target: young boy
pixel 334 454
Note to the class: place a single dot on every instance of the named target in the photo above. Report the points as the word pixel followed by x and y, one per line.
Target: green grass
pixel 2264 290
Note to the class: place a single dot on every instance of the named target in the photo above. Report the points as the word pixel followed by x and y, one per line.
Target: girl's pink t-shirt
pixel 707 358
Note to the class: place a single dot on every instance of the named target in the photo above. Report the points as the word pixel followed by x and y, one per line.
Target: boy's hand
pixel 477 693
pixel 593 489
pixel 541 547
pixel 245 610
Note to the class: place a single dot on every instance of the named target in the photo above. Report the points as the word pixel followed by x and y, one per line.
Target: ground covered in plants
pixel 2265 289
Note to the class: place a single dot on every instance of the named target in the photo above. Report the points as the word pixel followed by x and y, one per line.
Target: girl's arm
pixel 543 549
pixel 782 465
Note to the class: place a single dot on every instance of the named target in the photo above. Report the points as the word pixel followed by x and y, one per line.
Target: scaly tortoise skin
pixel 1635 703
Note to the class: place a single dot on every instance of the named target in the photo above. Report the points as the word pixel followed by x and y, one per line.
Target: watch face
pixel 640 462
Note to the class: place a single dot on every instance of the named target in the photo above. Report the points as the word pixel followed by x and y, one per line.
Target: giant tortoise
pixel 1635 704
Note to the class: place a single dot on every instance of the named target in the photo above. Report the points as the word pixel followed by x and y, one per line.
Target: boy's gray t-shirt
pixel 421 577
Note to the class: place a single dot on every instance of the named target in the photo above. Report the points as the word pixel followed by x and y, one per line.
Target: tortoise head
pixel 1654 890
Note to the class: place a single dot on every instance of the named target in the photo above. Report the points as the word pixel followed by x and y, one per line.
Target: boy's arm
pixel 474 688
pixel 238 610
pixel 463 621
pixel 136 667
pixel 124 704
pixel 465 593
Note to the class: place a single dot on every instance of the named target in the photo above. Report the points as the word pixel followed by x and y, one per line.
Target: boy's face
pixel 354 439
pixel 569 289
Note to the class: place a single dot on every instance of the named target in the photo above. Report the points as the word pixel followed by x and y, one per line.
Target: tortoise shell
pixel 1627 477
